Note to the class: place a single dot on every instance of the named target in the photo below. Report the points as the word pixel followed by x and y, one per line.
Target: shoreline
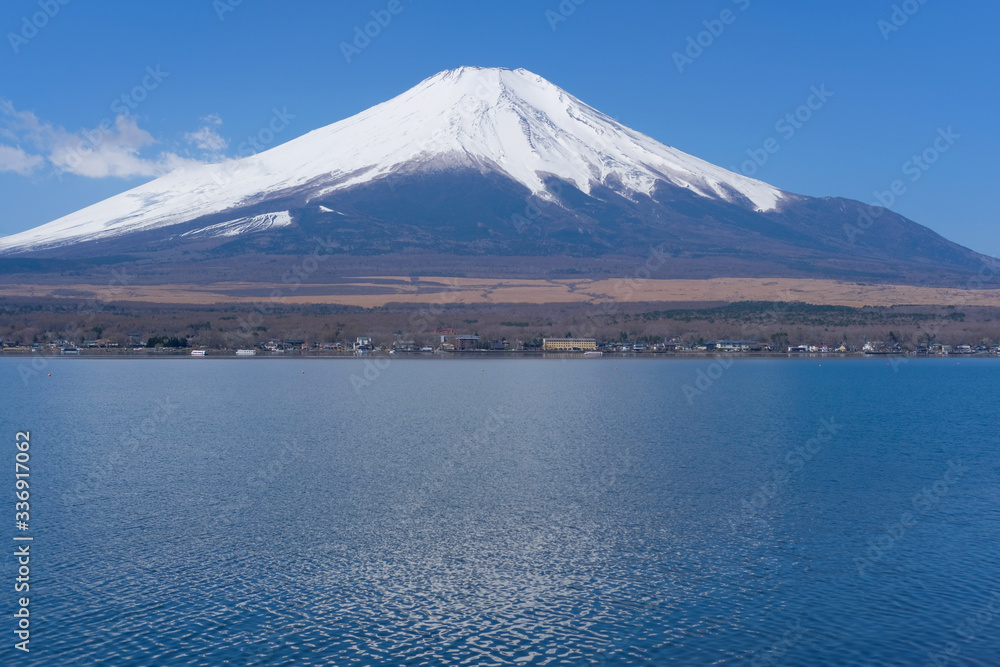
pixel 489 354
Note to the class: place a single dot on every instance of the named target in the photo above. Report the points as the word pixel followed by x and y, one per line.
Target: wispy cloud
pixel 207 138
pixel 111 152
pixel 14 159
pixel 112 149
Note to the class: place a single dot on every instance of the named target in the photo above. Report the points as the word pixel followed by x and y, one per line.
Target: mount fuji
pixel 488 162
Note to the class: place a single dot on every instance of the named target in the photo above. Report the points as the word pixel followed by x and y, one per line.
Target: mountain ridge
pixel 492 162
pixel 470 113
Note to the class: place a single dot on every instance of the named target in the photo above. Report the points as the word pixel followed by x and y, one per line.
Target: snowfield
pixel 510 121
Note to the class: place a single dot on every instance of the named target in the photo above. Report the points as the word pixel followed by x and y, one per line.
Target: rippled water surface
pixel 528 512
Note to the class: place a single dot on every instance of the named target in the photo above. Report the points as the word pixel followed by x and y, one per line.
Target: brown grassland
pixel 381 291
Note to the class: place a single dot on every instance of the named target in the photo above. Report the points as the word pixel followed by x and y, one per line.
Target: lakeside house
pixel 405 346
pixel 568 344
pixel 465 342
pixel 734 345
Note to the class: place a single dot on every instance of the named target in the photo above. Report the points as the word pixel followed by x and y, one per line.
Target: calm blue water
pixel 528 512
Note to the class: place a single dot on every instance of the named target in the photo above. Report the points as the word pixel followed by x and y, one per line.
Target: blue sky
pixel 96 98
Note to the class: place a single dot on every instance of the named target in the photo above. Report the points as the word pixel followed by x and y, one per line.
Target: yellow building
pixel 568 344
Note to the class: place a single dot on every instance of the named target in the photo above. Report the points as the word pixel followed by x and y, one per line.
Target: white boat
pixel 245 353
pixel 197 353
pixel 593 353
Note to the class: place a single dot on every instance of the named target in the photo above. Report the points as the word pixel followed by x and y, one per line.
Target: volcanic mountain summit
pixel 488 162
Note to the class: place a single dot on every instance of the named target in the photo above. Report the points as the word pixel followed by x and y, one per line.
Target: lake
pixel 507 512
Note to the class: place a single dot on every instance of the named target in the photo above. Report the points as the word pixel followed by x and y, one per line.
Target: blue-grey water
pixel 507 512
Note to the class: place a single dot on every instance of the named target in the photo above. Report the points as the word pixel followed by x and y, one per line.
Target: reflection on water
pixel 525 512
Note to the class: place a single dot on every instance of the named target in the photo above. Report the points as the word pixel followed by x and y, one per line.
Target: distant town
pixel 53 326
pixel 450 341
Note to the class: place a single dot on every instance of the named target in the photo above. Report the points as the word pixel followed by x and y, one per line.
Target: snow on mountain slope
pixel 249 225
pixel 492 119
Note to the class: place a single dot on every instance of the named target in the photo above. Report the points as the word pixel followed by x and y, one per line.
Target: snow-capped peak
pixel 493 119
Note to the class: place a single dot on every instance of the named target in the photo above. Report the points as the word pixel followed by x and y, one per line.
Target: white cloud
pixel 108 151
pixel 16 160
pixel 206 137
pixel 17 125
pixel 119 148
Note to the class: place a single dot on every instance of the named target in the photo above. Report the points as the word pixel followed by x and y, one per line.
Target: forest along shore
pixel 52 326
